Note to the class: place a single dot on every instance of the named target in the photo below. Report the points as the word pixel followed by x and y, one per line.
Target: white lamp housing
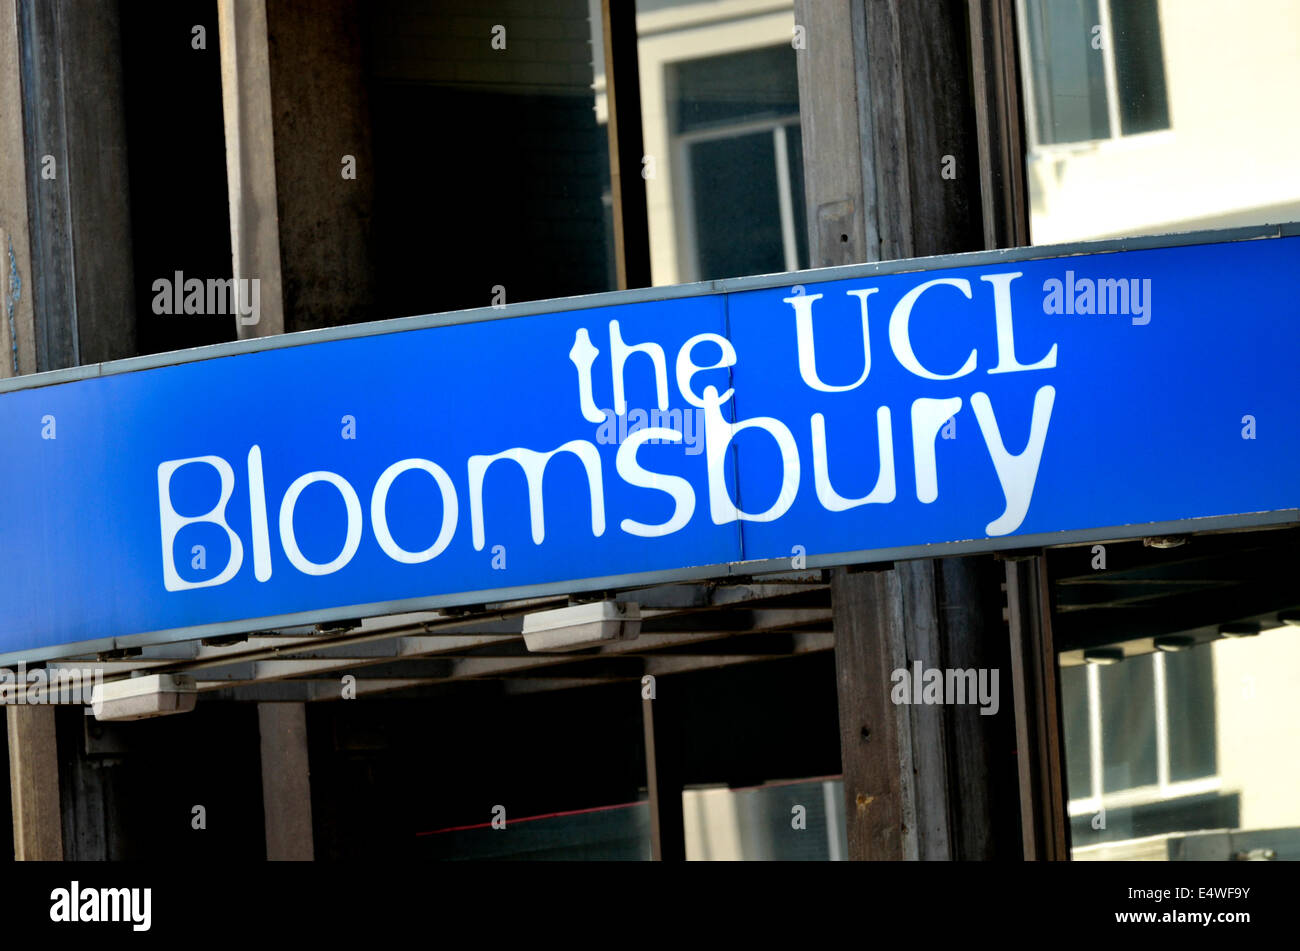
pixel 153 695
pixel 582 625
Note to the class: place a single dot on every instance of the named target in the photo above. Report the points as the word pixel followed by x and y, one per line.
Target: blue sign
pixel 1004 403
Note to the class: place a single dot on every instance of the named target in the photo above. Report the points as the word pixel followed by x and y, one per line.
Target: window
pixel 724 153
pixel 1179 683
pixel 1096 69
pixel 490 131
pixel 740 148
pixel 1156 116
pixel 1146 724
pixel 1140 740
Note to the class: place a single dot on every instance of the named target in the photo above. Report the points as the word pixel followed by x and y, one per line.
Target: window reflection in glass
pixel 801 820
pixel 1158 116
pixel 493 140
pixel 1186 755
pixel 720 122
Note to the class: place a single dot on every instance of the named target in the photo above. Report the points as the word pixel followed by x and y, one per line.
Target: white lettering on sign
pixel 999 427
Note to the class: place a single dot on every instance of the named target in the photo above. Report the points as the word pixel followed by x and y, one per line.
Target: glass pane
pixel 1078 732
pixel 1150 829
pixel 736 88
pixel 490 139
pixel 1189 687
pixel 1128 724
pixel 736 206
pixel 1200 135
pixel 1068 72
pixel 1198 741
pixel 798 821
pixel 604 834
pixel 719 83
pixel 175 146
pixel 1139 66
pixel 794 143
pixel 1256 722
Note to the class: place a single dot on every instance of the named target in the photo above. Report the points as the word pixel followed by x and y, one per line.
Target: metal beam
pixel 271 658
pixel 504 674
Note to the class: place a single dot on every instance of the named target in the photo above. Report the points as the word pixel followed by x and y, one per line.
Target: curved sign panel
pixel 884 411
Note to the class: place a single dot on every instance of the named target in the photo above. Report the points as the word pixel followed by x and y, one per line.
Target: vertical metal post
pixel 663 782
pixel 286 781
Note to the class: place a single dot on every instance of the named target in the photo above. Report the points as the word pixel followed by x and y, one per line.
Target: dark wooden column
pixel 68 297
pixel 1039 745
pixel 999 123
pixel 319 113
pixel 899 163
pixel 34 783
pixel 81 282
pixel 627 187
pixel 875 735
pixel 17 320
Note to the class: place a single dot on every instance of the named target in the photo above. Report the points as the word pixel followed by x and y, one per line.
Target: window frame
pixel 1117 139
pixel 684 187
pixel 1163 789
